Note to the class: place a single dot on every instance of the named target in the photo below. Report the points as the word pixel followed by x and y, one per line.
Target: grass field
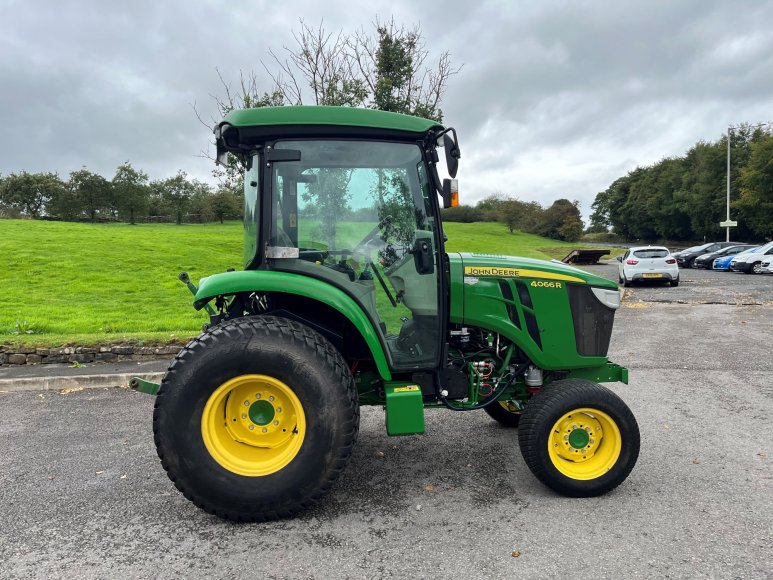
pixel 67 283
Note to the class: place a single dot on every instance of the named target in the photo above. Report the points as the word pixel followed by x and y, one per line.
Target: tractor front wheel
pixel 579 438
pixel 256 418
pixel 506 413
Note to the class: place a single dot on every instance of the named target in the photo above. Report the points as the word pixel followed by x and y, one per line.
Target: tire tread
pixel 327 354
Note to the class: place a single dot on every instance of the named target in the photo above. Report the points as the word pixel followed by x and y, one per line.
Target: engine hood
pixel 492 265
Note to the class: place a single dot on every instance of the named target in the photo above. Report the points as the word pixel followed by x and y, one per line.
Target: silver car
pixel 647 263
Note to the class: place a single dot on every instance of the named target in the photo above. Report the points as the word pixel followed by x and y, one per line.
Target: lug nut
pixel 252 427
pixel 244 416
pixel 246 403
pixel 279 409
pixel 264 429
pixel 271 398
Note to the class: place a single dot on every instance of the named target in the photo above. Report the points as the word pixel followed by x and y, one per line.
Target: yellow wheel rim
pixel 584 444
pixel 253 425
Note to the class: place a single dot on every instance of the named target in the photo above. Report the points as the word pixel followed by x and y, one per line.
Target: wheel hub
pixel 578 438
pixel 262 412
pixel 253 425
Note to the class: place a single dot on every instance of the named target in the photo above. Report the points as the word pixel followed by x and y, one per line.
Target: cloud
pixel 555 99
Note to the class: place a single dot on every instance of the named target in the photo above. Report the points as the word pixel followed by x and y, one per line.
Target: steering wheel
pixel 372 236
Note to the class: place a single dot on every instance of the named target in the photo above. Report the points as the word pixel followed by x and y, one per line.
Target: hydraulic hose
pixel 493 397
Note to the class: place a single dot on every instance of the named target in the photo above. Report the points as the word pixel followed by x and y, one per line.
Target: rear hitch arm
pixel 143 386
pixel 185 279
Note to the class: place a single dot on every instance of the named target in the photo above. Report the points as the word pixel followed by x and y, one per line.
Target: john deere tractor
pixel 347 297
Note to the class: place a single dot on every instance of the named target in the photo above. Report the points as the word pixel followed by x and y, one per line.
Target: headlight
pixel 609 298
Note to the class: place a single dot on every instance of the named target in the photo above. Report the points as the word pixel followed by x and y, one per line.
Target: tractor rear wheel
pixel 506 413
pixel 256 418
pixel 579 438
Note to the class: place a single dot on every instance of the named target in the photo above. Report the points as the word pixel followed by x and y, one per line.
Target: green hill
pixel 71 283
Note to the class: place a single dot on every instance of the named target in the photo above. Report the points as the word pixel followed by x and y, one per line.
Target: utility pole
pixel 727 218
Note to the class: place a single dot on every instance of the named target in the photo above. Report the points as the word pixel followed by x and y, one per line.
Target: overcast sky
pixel 555 99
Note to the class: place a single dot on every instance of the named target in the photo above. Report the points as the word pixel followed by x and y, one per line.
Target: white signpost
pixel 728 224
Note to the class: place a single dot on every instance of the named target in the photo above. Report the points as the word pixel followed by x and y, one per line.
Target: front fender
pixel 229 283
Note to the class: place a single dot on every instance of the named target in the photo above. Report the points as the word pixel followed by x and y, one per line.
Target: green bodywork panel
pixel 404 409
pixel 477 300
pixel 316 115
pixel 608 373
pixel 229 283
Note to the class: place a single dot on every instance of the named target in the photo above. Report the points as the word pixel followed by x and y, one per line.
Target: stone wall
pixel 84 354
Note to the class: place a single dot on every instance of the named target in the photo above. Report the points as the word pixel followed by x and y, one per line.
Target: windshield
pixel 343 189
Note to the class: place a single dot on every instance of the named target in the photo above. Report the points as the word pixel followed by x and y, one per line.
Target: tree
pixel 756 201
pixel 490 207
pixel 91 191
pixel 176 193
pixel 562 221
pixel 386 68
pixel 599 218
pixel 29 193
pixel 225 204
pixel 520 215
pixel 131 191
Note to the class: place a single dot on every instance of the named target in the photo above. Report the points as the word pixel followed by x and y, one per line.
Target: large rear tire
pixel 579 438
pixel 256 418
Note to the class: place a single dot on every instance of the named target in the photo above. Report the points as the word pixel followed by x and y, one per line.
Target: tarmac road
pixel 82 493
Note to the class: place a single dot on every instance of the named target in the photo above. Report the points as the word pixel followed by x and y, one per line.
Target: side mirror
pixel 450 193
pixel 452 153
pixel 619 259
pixel 221 158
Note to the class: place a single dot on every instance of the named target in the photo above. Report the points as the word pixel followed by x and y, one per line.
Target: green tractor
pixel 348 298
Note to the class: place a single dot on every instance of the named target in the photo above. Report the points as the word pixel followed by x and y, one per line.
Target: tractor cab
pixel 349 197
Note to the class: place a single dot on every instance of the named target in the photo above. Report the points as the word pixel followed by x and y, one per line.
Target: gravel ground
pixel 82 493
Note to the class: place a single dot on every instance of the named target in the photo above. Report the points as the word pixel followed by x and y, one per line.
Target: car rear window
pixel 654 253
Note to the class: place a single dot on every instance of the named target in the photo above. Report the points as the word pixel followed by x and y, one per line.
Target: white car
pixel 647 263
pixel 767 265
pixel 751 263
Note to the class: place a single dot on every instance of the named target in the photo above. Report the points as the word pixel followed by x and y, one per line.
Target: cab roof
pixel 319 115
pixel 248 126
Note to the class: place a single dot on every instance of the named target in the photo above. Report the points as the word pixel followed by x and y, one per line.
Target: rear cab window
pixel 651 253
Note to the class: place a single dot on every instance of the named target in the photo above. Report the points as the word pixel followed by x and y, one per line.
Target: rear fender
pixel 229 283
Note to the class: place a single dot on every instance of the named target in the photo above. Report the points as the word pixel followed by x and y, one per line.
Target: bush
pixel 461 213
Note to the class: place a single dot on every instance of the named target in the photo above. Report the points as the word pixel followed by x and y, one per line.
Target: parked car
pixel 751 263
pixel 686 257
pixel 767 265
pixel 723 263
pixel 706 260
pixel 647 263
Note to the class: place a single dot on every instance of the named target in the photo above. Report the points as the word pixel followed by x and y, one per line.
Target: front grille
pixel 592 321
